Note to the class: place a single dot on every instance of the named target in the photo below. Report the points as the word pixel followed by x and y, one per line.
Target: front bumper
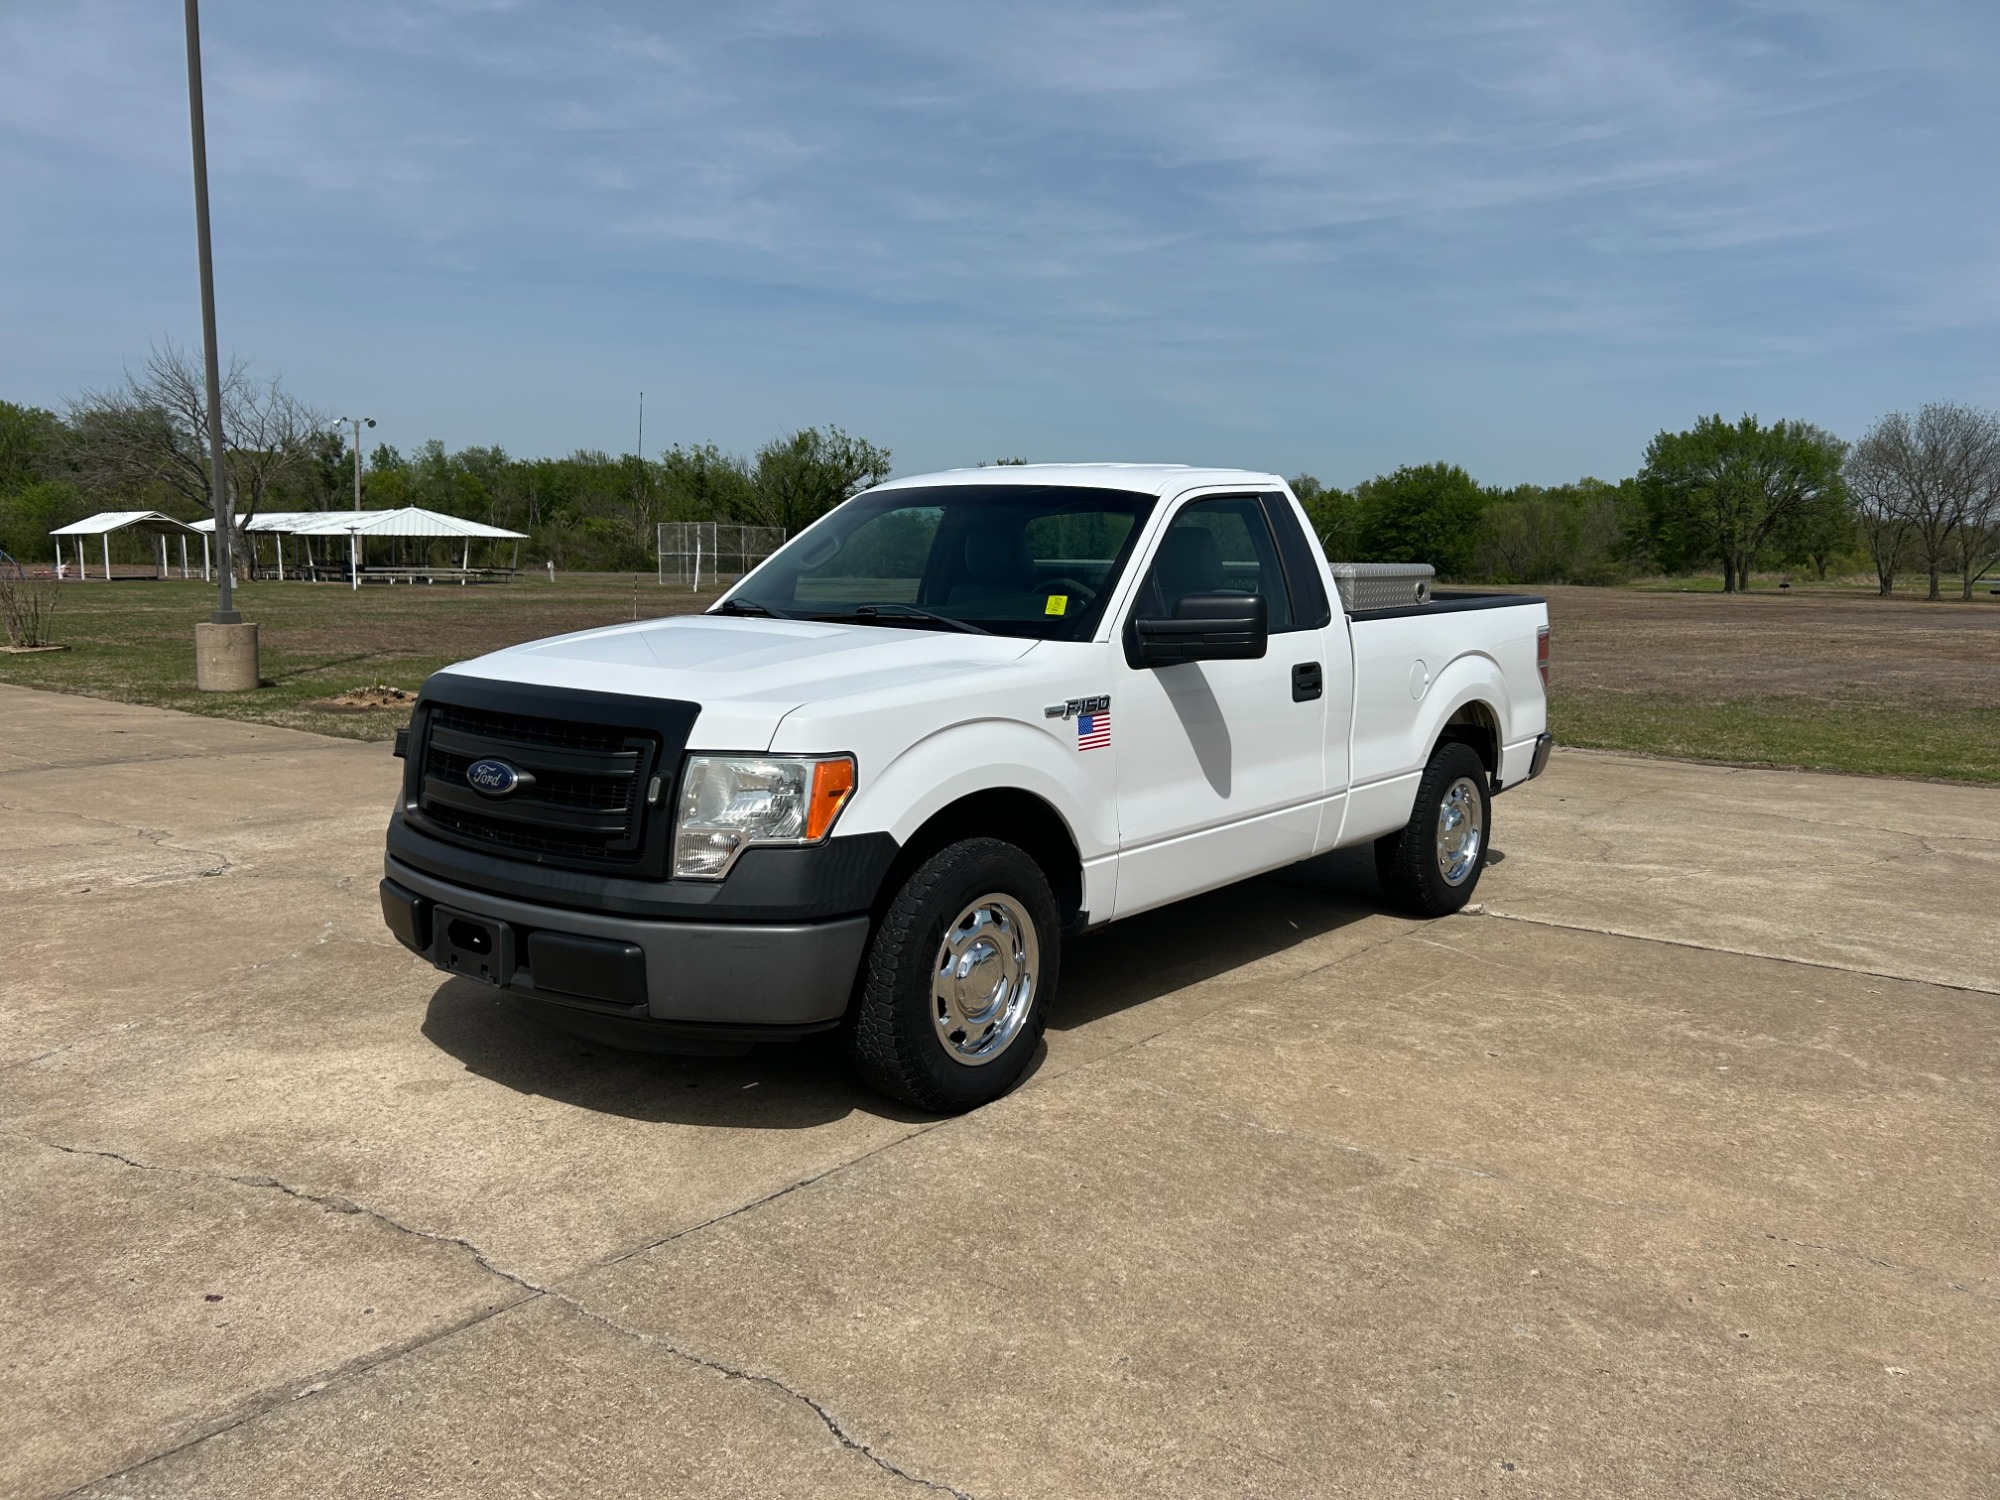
pixel 714 979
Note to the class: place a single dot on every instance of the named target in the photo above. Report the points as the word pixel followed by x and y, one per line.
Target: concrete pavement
pixel 1671 1172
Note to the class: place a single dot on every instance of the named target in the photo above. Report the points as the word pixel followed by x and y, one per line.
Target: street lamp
pixel 225 648
pixel 357 424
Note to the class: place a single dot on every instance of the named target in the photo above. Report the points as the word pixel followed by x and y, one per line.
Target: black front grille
pixel 583 793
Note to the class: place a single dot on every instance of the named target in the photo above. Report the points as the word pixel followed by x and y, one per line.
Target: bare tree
pixel 1879 512
pixel 147 433
pixel 26 603
pixel 1937 478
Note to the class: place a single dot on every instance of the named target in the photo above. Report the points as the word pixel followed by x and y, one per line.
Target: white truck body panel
pixel 1213 774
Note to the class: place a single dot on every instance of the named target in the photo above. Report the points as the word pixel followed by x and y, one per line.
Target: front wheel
pixel 1430 868
pixel 959 976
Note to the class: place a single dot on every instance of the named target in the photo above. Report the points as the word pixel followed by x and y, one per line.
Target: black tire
pixel 1412 871
pixel 894 1035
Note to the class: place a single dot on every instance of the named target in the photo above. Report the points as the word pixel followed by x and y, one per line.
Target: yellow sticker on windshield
pixel 1058 605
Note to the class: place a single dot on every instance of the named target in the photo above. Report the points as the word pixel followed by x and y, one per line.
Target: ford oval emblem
pixel 492 778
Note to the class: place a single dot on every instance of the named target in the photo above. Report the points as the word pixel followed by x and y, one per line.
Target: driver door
pixel 1220 763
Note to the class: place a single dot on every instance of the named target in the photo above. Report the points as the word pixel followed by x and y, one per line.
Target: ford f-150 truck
pixel 952 724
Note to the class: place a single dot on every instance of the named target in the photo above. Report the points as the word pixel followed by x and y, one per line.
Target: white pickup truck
pixel 955 722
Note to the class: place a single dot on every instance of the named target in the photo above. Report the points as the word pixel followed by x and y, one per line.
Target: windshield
pixel 1008 559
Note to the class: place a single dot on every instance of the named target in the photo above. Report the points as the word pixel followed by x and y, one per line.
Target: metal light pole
pixel 357 421
pixel 225 648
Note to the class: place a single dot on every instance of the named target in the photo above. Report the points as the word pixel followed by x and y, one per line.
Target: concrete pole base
pixel 225 657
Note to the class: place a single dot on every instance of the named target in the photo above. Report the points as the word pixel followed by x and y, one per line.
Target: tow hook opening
pixel 469 936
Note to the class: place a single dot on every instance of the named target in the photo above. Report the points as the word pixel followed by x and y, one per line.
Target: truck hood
pixel 746 673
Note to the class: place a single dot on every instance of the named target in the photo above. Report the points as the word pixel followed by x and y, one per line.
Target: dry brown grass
pixel 1826 679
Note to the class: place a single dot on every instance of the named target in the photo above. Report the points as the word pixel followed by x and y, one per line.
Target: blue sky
pixel 1522 237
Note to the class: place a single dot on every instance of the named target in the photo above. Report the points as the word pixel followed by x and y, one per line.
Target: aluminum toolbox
pixel 1382 585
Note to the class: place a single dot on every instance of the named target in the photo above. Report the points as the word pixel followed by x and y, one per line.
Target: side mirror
pixel 1206 627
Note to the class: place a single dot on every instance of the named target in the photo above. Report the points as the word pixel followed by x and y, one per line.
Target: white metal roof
pixel 411 520
pixel 278 520
pixel 117 520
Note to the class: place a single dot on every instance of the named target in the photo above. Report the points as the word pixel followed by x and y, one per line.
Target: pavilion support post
pixel 58 542
pixel 184 558
pixel 163 556
pixel 106 539
pixel 204 557
pixel 278 545
pixel 354 560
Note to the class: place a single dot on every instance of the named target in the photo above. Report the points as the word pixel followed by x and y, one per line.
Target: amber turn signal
pixel 832 785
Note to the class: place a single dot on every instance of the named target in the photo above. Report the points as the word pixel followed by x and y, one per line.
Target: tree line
pixel 140 445
pixel 1917 494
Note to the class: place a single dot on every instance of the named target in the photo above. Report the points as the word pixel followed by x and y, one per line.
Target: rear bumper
pixel 1524 761
pixel 702 979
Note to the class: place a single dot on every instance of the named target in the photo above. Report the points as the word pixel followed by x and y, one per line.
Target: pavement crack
pixel 1486 910
pixel 790 1392
pixel 332 1202
pixel 88 1036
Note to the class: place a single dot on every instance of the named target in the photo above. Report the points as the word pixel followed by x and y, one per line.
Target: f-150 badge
pixel 1078 706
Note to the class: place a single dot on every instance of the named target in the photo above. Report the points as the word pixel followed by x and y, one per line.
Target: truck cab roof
pixel 1147 479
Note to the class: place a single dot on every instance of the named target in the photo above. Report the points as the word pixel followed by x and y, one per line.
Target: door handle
pixel 1307 680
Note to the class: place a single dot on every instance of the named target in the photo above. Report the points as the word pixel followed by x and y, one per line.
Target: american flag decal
pixel 1093 730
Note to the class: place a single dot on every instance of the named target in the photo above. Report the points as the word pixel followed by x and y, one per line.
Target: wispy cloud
pixel 1190 222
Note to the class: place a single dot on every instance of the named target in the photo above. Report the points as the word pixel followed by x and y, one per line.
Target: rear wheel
pixel 1431 867
pixel 959 976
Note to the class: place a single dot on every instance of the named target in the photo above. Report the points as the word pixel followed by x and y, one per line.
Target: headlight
pixel 730 802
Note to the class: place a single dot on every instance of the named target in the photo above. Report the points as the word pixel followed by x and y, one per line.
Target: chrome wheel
pixel 983 983
pixel 1461 831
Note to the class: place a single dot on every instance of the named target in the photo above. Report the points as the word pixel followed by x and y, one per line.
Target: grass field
pixel 134 640
pixel 1832 679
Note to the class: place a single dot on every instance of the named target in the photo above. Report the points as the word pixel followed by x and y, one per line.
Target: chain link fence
pixel 711 554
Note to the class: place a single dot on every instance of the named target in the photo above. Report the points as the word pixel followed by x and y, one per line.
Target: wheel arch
pixel 1475 723
pixel 1017 816
pixel 1469 704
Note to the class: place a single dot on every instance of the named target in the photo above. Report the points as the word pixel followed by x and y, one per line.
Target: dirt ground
pixel 1899 651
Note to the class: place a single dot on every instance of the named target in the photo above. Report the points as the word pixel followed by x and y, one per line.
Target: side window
pixel 1217 547
pixel 1309 601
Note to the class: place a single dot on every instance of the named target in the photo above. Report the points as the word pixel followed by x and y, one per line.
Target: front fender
pixel 983 755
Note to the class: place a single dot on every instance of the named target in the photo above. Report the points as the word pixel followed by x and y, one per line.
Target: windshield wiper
pixel 749 607
pixel 910 612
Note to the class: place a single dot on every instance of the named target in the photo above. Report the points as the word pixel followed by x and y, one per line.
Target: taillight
pixel 1542 655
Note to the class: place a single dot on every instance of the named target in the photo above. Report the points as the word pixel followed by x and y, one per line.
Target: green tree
pixel 702 483
pixel 1729 491
pixel 385 481
pixel 799 478
pixel 31 446
pixel 1587 532
pixel 1332 514
pixel 36 494
pixel 1423 513
pixel 1824 528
